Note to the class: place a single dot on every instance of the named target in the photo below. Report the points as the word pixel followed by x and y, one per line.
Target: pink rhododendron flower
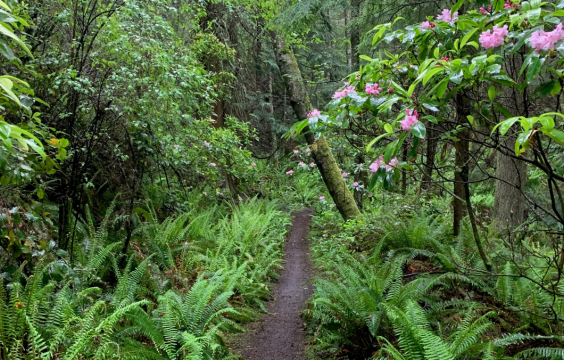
pixel 212 165
pixel 355 184
pixel 493 38
pixel 343 93
pixel 390 90
pixel 253 164
pixel 322 198
pixel 296 151
pixel 428 24
pixel 393 162
pixel 447 16
pixel 302 164
pixel 443 58
pixel 510 5
pixel 483 11
pixel 313 113
pixel 410 120
pixel 290 172
pixel 312 165
pixel 345 175
pixel 376 164
pixel 176 146
pixel 373 89
pixel 308 150
pixel 541 40
pixel 206 144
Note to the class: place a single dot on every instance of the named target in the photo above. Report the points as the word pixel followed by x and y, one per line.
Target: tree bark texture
pixel 320 150
pixel 510 203
pixel 430 158
pixel 462 149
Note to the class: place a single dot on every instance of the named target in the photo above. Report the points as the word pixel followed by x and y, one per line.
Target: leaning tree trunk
pixel 320 150
pixel 509 204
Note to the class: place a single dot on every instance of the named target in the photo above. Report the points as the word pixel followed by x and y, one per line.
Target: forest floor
pixel 280 334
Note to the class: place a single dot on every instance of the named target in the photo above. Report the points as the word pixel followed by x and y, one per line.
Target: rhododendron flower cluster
pixel 447 16
pixel 355 184
pixel 253 164
pixel 343 93
pixel 302 164
pixel 212 164
pixel 509 5
pixel 410 120
pixel 345 174
pixel 443 58
pixel 296 151
pixel 313 113
pixel 390 90
pixel 493 38
pixel 380 161
pixel 322 198
pixel 428 24
pixel 485 11
pixel 542 40
pixel 289 172
pixel 373 89
pixel 312 165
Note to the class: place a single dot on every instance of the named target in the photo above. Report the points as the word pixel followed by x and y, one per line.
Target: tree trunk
pixel 509 204
pixel 359 177
pixel 355 34
pixel 461 169
pixel 430 159
pixel 320 150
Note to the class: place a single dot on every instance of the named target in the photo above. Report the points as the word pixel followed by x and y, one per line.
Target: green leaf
pixel 456 6
pixel 491 93
pixel 7 85
pixel 369 146
pixel 364 57
pixel 504 126
pixel 534 67
pixel 533 16
pixel 467 37
pixel 4 180
pixel 390 151
pixel 470 119
pixel 40 193
pixel 431 72
pixel 418 130
pixel 388 128
pixel 547 123
pixel 10 34
pixel 6 51
pixel 557 136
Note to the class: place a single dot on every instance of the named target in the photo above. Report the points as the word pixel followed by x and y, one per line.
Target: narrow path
pixel 281 335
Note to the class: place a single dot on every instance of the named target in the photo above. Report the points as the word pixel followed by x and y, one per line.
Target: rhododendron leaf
pixel 493 69
pixel 491 93
pixel 431 106
pixel 480 61
pixel 557 136
pixel 534 67
pixel 556 89
pixel 431 119
pixel 370 144
pixel 533 16
pixel 413 152
pixel 388 103
pixel 432 72
pixel 390 150
pixel 557 13
pixel 456 6
pixel 398 88
pixel 364 57
pixel 504 111
pixel 378 36
pixel 436 53
pixel 418 130
pixel 547 123
pixel 498 5
pixel 504 126
pixel 467 37
pixel 388 128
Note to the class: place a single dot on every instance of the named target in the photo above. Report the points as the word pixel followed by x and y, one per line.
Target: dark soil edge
pixel 280 335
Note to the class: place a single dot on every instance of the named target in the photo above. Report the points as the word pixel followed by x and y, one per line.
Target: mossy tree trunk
pixel 320 150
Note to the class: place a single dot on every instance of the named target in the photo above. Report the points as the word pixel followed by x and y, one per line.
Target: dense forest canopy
pixel 151 152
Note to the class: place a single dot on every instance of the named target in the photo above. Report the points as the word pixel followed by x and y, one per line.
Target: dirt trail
pixel 281 334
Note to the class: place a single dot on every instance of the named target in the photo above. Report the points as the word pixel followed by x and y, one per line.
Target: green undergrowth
pixel 190 280
pixel 395 284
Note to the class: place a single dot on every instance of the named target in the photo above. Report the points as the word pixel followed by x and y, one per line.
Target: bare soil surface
pixel 281 336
